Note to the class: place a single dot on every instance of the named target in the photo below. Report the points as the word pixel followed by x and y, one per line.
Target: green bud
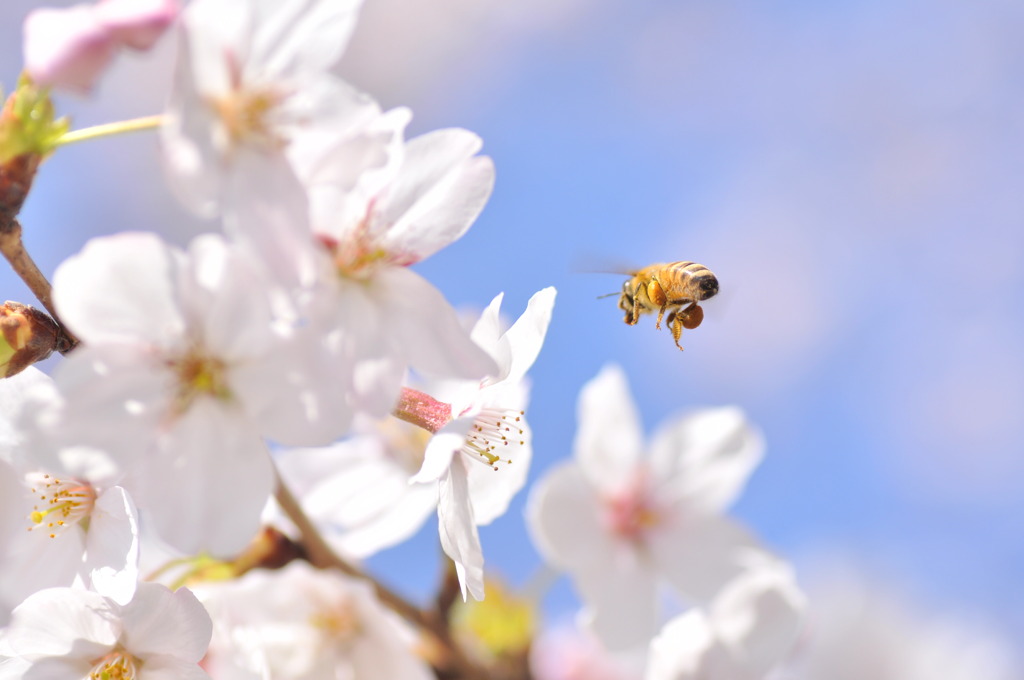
pixel 27 123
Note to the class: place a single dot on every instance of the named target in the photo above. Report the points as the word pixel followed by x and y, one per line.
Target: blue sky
pixel 851 171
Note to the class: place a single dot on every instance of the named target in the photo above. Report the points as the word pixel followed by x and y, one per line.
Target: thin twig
pixel 24 266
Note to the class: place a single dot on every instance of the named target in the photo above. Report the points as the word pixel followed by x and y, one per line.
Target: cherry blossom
pixel 298 623
pixel 360 491
pixel 379 205
pixel 182 353
pixel 71 521
pixel 252 86
pixel 622 523
pixel 73 633
pixel 481 458
pixel 749 629
pixel 70 48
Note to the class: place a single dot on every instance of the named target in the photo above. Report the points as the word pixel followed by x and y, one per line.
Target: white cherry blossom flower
pixel 622 523
pixel 298 622
pixel 379 205
pixel 71 522
pixel 748 630
pixel 73 633
pixel 480 459
pixel 253 86
pixel 181 371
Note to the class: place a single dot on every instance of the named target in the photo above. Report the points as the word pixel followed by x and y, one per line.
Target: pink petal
pixel 67 48
pixel 137 24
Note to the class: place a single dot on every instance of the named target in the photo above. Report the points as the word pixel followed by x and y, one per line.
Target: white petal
pixel 621 603
pixel 170 668
pixel 686 649
pixel 758 616
pixel 121 289
pixel 35 561
pixel 207 484
pixel 441 449
pixel 266 207
pixel 609 439
pixel 63 622
pixel 161 622
pixel 192 158
pixel 563 515
pixel 380 652
pixel 359 492
pixel 112 546
pixel 706 457
pixel 228 303
pixel 699 555
pixel 487 334
pixel 439 192
pixel 459 538
pixel 426 328
pixel 119 383
pixel 15 392
pixel 526 336
pixel 293 36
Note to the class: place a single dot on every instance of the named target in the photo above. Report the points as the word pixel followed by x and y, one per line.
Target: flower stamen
pixel 114 666
pixel 64 503
pixel 494 429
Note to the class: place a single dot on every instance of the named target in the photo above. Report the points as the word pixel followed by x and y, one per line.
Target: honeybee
pixel 675 287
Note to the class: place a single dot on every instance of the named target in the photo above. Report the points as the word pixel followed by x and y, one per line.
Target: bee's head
pixel 708 286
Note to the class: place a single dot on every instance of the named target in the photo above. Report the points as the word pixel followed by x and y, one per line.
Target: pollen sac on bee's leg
pixel 691 317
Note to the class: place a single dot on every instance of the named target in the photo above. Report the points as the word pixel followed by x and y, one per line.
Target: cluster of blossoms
pixel 253 415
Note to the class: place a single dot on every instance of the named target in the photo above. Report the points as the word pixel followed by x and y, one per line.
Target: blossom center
pixel 247 116
pixel 631 513
pixel 496 432
pixel 339 623
pixel 61 503
pixel 199 375
pixel 117 665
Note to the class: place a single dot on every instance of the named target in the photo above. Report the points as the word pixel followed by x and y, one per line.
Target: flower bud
pixel 27 335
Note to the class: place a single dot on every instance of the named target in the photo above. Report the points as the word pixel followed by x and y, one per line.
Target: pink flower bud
pixel 67 48
pixel 70 48
pixel 137 24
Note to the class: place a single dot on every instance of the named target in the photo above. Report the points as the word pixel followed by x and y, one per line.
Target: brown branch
pixel 24 266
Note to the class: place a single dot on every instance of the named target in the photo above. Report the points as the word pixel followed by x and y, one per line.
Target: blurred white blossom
pixel 298 623
pixel 622 523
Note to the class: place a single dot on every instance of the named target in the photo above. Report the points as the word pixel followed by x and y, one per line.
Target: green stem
pixel 108 129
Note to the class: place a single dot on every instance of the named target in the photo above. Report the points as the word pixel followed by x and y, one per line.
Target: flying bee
pixel 674 287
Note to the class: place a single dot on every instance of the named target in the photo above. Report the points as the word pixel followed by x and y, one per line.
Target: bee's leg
pixel 631 319
pixel 675 323
pixel 656 294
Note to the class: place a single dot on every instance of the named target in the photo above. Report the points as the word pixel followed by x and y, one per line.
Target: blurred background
pixel 852 172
